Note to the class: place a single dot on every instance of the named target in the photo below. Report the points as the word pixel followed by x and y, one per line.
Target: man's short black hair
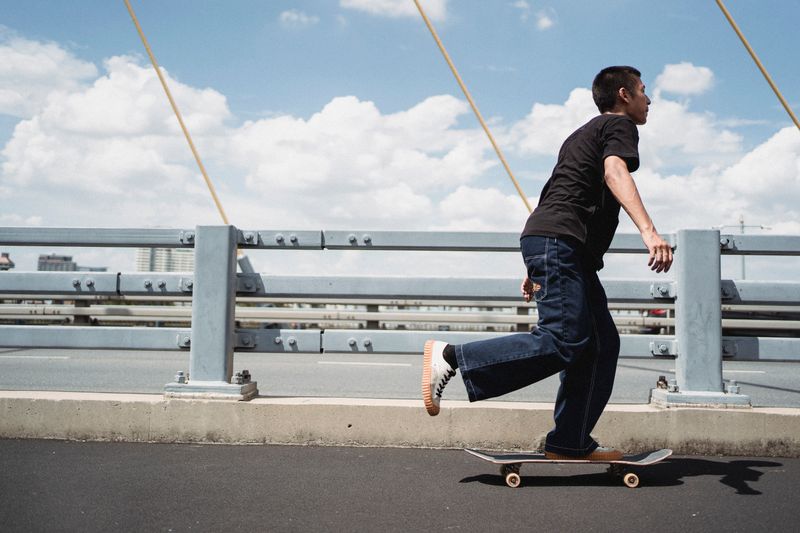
pixel 607 83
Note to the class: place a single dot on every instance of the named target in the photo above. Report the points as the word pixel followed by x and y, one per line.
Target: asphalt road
pixel 75 486
pixel 345 375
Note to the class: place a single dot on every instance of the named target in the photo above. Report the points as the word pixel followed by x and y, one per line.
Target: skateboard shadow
pixel 738 474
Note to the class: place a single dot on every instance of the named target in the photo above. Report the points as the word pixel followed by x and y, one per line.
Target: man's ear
pixel 623 95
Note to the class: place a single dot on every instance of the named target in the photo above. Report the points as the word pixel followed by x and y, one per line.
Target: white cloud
pixel 524 9
pixel 434 9
pixel 349 163
pixel 30 71
pixel 119 129
pixel 676 135
pixel 762 185
pixel 547 125
pixel 113 148
pixel 482 209
pixel 673 136
pixel 545 19
pixel 296 19
pixel 769 175
pixel 12 219
pixel 685 79
pixel 350 144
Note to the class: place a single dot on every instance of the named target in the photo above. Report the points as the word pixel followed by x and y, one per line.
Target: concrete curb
pixel 392 423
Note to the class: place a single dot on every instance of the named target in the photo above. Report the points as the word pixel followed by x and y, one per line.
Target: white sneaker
pixel 436 373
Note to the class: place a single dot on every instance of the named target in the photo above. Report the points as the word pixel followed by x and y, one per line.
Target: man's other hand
pixel 660 252
pixel 527 289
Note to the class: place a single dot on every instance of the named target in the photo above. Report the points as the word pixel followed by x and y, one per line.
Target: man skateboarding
pixel 562 245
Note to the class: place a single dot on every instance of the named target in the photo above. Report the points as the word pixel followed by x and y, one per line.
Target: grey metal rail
pixel 697 296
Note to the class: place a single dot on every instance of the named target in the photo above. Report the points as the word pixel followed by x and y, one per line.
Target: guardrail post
pixel 698 326
pixel 213 325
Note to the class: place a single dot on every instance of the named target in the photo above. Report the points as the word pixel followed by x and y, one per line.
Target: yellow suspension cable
pixel 472 104
pixel 758 63
pixel 209 184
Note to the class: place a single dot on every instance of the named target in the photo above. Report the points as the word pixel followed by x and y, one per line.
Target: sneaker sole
pixel 596 458
pixel 427 395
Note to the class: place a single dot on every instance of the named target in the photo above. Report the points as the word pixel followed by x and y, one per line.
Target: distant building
pixel 5 262
pixel 164 260
pixel 64 263
pixel 56 263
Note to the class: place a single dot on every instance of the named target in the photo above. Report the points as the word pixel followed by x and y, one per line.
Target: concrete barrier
pixel 392 423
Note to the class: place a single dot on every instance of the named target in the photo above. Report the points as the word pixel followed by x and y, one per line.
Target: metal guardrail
pixel 697 296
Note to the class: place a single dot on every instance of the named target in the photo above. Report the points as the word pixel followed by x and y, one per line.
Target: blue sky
pixel 263 65
pixel 360 95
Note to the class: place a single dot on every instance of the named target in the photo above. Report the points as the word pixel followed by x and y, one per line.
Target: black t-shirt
pixel 575 201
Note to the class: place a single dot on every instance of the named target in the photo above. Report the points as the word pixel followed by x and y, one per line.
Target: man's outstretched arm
pixel 621 184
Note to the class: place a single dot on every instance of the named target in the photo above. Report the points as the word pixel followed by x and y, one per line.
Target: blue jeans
pixel 575 336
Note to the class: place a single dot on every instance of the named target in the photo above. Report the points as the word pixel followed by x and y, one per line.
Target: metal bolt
pixel 367 342
pixel 663 291
pixel 246 341
pixel 162 284
pixel 148 284
pixel 279 238
pixel 367 239
pixel 180 377
pixel 90 283
pixel 292 341
pixel 352 238
pixel 663 348
pixel 189 284
pixel 249 237
pixel 293 239
pixel 351 341
pixel 278 340
pixel 186 341
pixel 672 385
pixel 76 283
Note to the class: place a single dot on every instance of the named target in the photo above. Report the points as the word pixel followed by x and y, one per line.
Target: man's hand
pixel 527 289
pixel 660 252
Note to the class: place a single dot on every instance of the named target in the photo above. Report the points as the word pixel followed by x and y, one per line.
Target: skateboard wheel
pixel 513 480
pixel 631 480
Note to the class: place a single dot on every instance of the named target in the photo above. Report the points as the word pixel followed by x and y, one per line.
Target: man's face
pixel 637 104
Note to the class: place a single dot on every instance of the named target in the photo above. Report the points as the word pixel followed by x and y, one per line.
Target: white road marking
pixel 356 363
pixel 34 357
pixel 736 371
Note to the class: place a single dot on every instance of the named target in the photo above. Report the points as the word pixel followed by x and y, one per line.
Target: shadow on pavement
pixel 739 474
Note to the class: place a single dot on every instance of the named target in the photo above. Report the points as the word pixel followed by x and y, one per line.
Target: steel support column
pixel 698 326
pixel 213 324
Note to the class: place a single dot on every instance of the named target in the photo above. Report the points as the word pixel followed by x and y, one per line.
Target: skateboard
pixel 510 464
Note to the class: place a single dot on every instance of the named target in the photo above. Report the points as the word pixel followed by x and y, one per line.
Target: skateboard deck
pixel 510 464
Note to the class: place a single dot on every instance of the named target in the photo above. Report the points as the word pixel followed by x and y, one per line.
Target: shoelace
pixel 444 381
